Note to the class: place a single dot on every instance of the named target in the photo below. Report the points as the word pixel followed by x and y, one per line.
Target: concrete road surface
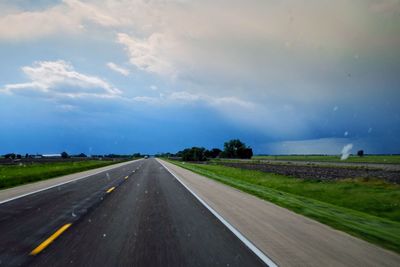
pixel 135 214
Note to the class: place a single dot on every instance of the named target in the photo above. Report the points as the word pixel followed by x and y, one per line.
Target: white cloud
pixel 147 99
pixel 118 69
pixel 58 79
pixel 183 97
pixel 148 54
pixel 282 62
pixel 70 16
pixel 387 7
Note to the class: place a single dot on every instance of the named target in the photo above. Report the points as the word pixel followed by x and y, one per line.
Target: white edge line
pixel 63 183
pixel 247 242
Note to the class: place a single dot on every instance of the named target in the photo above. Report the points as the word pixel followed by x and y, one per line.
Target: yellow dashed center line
pixel 49 240
pixel 110 190
pixel 126 177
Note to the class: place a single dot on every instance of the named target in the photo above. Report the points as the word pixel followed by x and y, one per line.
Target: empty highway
pixel 136 214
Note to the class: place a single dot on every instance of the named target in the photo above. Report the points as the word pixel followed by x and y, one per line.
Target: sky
pixel 285 77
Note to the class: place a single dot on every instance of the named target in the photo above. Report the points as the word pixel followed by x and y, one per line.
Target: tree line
pixel 234 149
pixel 65 155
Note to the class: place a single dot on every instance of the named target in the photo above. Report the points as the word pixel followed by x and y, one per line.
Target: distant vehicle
pixel 146 157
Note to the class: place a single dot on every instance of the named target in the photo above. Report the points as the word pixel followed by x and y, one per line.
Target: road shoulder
pixel 288 238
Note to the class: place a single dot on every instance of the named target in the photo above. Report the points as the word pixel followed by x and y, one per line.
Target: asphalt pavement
pixel 137 214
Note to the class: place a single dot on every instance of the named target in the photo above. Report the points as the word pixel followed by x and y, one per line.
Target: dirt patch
pixel 313 172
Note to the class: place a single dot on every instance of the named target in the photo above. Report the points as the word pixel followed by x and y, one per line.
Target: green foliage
pixel 81 155
pixel 10 156
pixel 213 153
pixel 21 174
pixel 366 209
pixel 236 149
pixel 193 154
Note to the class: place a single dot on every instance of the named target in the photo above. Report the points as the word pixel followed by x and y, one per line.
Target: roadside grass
pixel 383 159
pixel 13 175
pixel 367 209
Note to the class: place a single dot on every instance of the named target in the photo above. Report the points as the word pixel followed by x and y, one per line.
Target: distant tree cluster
pixel 19 156
pixel 193 154
pixel 232 149
pixel 10 156
pixel 236 149
pixel 213 153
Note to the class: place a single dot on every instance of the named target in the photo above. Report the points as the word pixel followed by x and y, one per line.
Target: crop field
pixel 13 175
pixel 383 159
pixel 369 209
pixel 316 171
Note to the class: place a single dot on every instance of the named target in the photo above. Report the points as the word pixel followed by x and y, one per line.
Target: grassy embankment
pixel 366 209
pixel 386 159
pixel 13 175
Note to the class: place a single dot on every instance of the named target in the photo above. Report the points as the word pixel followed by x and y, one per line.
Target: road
pixel 137 214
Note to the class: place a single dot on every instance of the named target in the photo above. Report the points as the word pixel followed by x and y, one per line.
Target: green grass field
pixel 387 159
pixel 366 209
pixel 13 175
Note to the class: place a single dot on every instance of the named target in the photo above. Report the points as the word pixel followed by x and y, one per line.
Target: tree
pixel 247 153
pixel 10 156
pixel 236 149
pixel 64 155
pixel 193 154
pixel 360 153
pixel 213 153
pixel 81 155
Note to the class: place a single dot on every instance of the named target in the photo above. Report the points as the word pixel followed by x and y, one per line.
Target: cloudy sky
pixel 123 76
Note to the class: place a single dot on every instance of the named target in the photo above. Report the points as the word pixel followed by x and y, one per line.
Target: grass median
pixel 366 209
pixel 13 175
